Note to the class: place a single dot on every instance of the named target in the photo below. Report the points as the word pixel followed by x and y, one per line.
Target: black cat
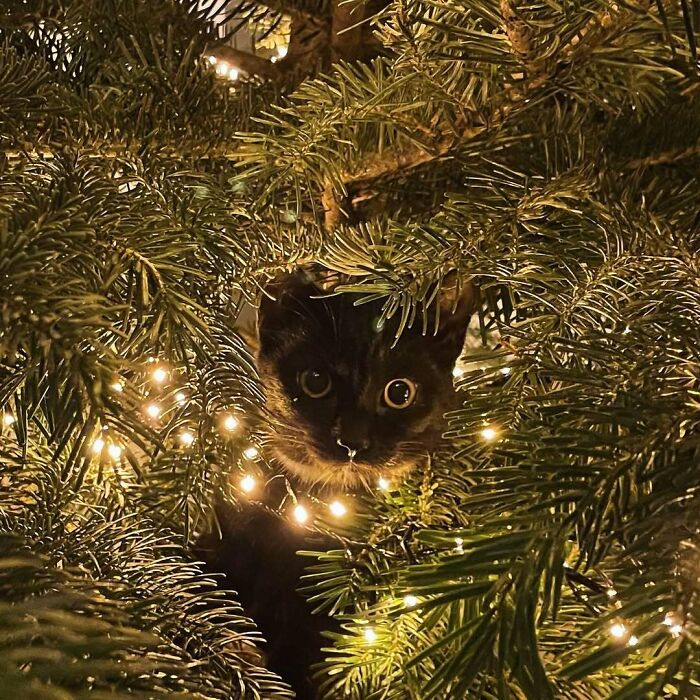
pixel 348 405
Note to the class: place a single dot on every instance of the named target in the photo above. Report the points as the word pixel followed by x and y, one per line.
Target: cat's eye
pixel 315 383
pixel 399 393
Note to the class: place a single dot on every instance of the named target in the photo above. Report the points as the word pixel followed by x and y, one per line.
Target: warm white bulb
pixel 301 515
pixel 233 74
pixel 223 68
pixel 114 451
pixel 611 592
pixel 180 397
pixel 159 375
pixel 618 630
pixel 247 483
pixel 153 410
pixel 505 370
pixel 273 59
pixel 118 387
pixel 410 601
pixel 370 635
pixel 212 60
pixel 384 484
pixel 459 542
pixel 7 419
pixel 338 509
pixel 250 452
pixel 186 438
pixel 489 434
pixel 230 422
pixel 676 630
pixel 281 51
pixel 633 641
pixel 98 445
pixel 457 372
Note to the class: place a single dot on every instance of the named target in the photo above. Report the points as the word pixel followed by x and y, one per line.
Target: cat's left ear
pixel 456 303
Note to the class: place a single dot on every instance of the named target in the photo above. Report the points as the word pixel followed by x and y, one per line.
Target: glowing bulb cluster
pixel 224 69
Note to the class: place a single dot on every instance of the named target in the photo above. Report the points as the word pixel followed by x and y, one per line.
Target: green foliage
pixel 547 151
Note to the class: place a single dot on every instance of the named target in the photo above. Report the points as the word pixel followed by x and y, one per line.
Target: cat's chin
pixel 341 474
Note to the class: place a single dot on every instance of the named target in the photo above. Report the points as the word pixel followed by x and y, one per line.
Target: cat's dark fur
pixel 347 438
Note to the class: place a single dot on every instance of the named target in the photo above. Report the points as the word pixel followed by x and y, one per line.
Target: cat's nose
pixel 353 445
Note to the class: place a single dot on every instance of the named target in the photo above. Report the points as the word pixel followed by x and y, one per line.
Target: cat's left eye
pixel 399 393
pixel 315 383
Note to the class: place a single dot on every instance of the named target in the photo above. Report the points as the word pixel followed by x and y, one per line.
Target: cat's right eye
pixel 315 383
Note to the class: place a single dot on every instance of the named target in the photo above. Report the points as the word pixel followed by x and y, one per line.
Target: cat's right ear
pixel 284 310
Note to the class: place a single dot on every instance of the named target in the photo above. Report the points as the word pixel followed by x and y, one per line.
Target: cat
pixel 349 405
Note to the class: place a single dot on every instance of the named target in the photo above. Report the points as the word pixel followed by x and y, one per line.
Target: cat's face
pixel 348 407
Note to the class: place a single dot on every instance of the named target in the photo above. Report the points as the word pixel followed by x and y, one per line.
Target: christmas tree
pixel 156 173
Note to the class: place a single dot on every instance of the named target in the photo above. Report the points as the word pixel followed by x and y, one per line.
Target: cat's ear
pixel 456 303
pixel 284 309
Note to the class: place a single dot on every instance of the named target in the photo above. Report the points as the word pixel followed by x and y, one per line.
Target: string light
pixel 247 483
pixel 159 375
pixel 301 515
pixel 489 434
pixel 370 635
pixel 338 509
pixel 98 445
pixel 250 452
pixel 674 627
pixel 633 641
pixel 281 51
pixel 212 60
pixel 186 438
pixel 180 397
pixel 506 370
pixel 114 451
pixel 457 372
pixel 222 68
pixel 153 410
pixel 410 601
pixel 611 592
pixel 118 387
pixel 384 484
pixel 618 630
pixel 459 542
pixel 233 74
pixel 230 422
pixel 7 419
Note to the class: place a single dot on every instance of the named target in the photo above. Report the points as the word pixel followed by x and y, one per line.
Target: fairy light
pixel 7 419
pixel 212 60
pixel 489 434
pixel 118 387
pixel 250 452
pixel 611 592
pixel 457 372
pixel 674 626
pixel 98 445
pixel 153 410
pixel 633 641
pixel 230 422
pixel 180 397
pixel 459 545
pixel 159 375
pixel 114 451
pixel 281 51
pixel 383 484
pixel 618 630
pixel 233 74
pixel 247 483
pixel 370 635
pixel 301 515
pixel 338 509
pixel 222 68
pixel 410 601
pixel 186 438
pixel 506 370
